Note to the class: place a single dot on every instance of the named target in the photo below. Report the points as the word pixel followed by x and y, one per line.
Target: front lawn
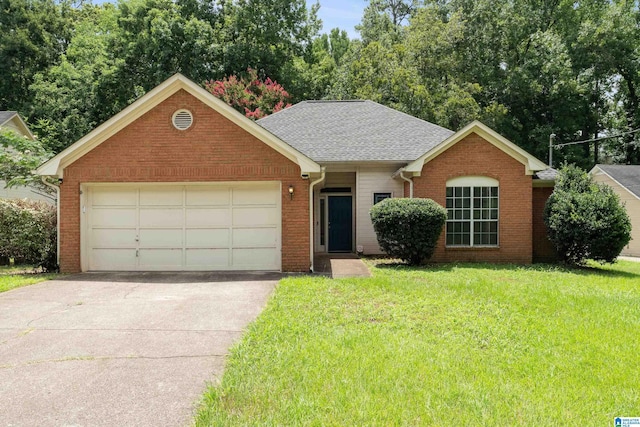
pixel 445 345
pixel 12 277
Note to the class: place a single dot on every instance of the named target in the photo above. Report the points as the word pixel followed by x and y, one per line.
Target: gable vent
pixel 182 119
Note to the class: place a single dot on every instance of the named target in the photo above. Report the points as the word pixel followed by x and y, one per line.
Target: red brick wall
pixel 213 149
pixel 543 250
pixel 475 156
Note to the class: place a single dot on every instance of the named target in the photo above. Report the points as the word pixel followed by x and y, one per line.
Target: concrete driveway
pixel 120 349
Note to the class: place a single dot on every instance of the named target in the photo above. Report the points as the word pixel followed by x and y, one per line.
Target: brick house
pixel 181 181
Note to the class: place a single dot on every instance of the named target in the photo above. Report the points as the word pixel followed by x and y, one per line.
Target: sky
pixel 344 14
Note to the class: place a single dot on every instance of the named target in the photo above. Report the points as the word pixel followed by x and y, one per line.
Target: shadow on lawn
pixel 591 270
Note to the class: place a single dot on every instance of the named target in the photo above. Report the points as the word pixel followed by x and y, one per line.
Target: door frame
pixel 317 229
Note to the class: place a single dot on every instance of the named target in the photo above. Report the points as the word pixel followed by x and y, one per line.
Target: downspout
pixel 311 236
pixel 57 190
pixel 409 180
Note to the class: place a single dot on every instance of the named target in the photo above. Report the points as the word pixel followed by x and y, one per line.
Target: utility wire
pixel 595 139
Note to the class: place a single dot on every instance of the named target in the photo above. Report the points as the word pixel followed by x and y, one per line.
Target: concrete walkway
pixel 120 349
pixel 629 258
pixel 340 265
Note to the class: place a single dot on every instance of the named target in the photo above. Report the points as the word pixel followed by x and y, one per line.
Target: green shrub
pixel 28 232
pixel 408 228
pixel 585 219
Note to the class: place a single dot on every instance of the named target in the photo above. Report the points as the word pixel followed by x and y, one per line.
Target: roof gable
pixel 13 120
pixel 55 166
pixel 627 176
pixel 354 131
pixel 530 163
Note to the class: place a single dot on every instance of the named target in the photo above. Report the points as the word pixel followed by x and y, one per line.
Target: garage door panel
pixel 208 238
pixel 114 238
pixel 151 217
pixel 110 196
pixel 158 259
pixel 255 216
pixel 258 195
pixel 255 237
pixel 207 196
pixel 207 217
pixel 161 196
pixel 233 226
pixel 208 258
pixel 161 238
pixel 255 259
pixel 113 217
pixel 113 259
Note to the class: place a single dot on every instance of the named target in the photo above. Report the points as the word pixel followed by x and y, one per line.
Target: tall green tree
pixel 33 35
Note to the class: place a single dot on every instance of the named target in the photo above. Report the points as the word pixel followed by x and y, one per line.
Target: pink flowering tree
pixel 249 95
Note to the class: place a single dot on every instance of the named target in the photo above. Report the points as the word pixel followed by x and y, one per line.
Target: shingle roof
pixel 336 131
pixel 6 115
pixel 546 175
pixel 626 175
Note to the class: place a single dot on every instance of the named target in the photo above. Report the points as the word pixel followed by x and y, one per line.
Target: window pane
pixel 466 191
pixel 449 191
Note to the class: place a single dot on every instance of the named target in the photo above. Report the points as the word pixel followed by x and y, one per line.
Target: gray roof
pixel 6 115
pixel 627 175
pixel 548 174
pixel 343 131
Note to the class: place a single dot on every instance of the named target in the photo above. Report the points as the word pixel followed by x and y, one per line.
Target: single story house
pixel 179 180
pixel 625 181
pixel 11 120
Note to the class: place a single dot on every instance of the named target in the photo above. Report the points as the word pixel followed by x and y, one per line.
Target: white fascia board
pixel 55 166
pixel 530 162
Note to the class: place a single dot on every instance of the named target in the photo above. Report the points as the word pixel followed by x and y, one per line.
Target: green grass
pixel 443 345
pixel 12 277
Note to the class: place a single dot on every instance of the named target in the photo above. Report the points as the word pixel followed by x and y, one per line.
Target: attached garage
pixel 146 227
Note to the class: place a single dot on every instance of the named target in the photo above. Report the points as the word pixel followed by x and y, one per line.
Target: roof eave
pixel 55 166
pixel 530 163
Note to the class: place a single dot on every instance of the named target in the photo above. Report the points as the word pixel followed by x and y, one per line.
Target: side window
pixel 378 197
pixel 472 211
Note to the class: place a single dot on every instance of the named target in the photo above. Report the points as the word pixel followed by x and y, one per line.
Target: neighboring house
pixel 625 181
pixel 11 120
pixel 181 181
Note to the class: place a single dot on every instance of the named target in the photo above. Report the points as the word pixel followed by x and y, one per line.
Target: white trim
pixel 531 163
pixel 55 166
pixel 472 181
pixel 591 172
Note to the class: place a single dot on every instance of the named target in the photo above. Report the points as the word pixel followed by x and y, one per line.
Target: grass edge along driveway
pixel 15 277
pixel 497 345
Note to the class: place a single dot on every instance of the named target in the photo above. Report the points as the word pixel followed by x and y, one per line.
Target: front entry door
pixel 340 224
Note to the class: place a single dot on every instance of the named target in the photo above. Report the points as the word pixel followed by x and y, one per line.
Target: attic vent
pixel 182 119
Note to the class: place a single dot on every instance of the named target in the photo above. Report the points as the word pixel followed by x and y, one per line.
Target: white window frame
pixel 473 182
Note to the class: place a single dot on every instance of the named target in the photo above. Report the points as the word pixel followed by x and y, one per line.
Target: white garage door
pixel 183 227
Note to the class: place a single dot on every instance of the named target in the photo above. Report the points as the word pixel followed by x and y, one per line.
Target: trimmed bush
pixel 408 228
pixel 28 232
pixel 585 219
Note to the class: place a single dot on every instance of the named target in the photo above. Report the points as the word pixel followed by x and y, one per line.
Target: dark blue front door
pixel 340 222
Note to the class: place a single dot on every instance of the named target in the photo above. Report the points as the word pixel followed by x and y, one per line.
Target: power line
pixel 595 139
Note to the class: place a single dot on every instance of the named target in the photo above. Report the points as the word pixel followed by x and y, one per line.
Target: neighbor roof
pixel 348 131
pixel 626 175
pixel 6 115
pixel 18 123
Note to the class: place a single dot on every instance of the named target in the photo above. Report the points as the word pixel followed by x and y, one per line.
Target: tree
pixel 33 35
pixel 408 228
pixel 585 219
pixel 249 95
pixel 19 157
